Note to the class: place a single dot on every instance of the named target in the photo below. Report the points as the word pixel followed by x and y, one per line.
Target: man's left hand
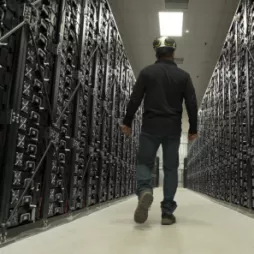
pixel 192 137
pixel 126 130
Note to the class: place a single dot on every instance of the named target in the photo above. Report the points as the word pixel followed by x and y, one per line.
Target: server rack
pixel 220 161
pixel 65 83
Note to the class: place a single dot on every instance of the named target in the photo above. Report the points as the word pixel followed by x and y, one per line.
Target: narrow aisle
pixel 203 228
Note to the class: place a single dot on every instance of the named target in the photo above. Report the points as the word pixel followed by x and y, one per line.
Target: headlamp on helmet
pixel 164 42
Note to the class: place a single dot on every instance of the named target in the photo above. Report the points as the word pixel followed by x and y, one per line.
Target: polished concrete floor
pixel 203 228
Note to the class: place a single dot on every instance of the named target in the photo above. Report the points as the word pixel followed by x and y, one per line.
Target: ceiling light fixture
pixel 171 23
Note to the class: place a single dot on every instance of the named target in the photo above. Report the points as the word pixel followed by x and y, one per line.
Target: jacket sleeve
pixel 135 100
pixel 191 105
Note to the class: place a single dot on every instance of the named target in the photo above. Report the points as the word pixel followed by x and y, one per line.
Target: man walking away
pixel 163 86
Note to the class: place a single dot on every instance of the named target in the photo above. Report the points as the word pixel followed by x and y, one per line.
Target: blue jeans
pixel 148 147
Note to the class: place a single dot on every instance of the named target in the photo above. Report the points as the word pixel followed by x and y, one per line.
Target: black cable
pixel 3 4
pixel 86 167
pixel 36 2
pixel 250 53
pixel 12 31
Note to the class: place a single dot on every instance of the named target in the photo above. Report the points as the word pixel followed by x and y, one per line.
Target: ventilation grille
pixel 179 60
pixel 176 4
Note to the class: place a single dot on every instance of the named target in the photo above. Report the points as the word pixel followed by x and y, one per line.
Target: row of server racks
pixel 65 81
pixel 221 160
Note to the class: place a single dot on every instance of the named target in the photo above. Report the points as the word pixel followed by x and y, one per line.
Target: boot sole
pixel 167 222
pixel 141 213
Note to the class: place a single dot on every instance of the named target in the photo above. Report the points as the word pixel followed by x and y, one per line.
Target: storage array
pixel 65 81
pixel 221 160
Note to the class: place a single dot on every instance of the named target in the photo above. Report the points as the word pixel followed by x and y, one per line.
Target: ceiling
pixel 207 21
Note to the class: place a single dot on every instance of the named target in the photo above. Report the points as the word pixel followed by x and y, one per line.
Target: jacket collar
pixel 171 62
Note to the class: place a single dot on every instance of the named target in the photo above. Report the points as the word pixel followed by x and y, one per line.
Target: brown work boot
pixel 145 201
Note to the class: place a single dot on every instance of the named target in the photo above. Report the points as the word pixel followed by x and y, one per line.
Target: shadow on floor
pixel 152 222
pixel 192 222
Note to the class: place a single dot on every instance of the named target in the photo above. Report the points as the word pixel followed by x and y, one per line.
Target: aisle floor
pixel 203 227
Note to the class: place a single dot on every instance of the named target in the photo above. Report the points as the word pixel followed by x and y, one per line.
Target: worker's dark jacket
pixel 163 86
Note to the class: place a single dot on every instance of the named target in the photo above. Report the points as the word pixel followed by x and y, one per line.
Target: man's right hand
pixel 126 130
pixel 192 137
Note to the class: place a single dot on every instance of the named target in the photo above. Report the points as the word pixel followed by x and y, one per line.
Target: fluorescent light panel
pixel 171 23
